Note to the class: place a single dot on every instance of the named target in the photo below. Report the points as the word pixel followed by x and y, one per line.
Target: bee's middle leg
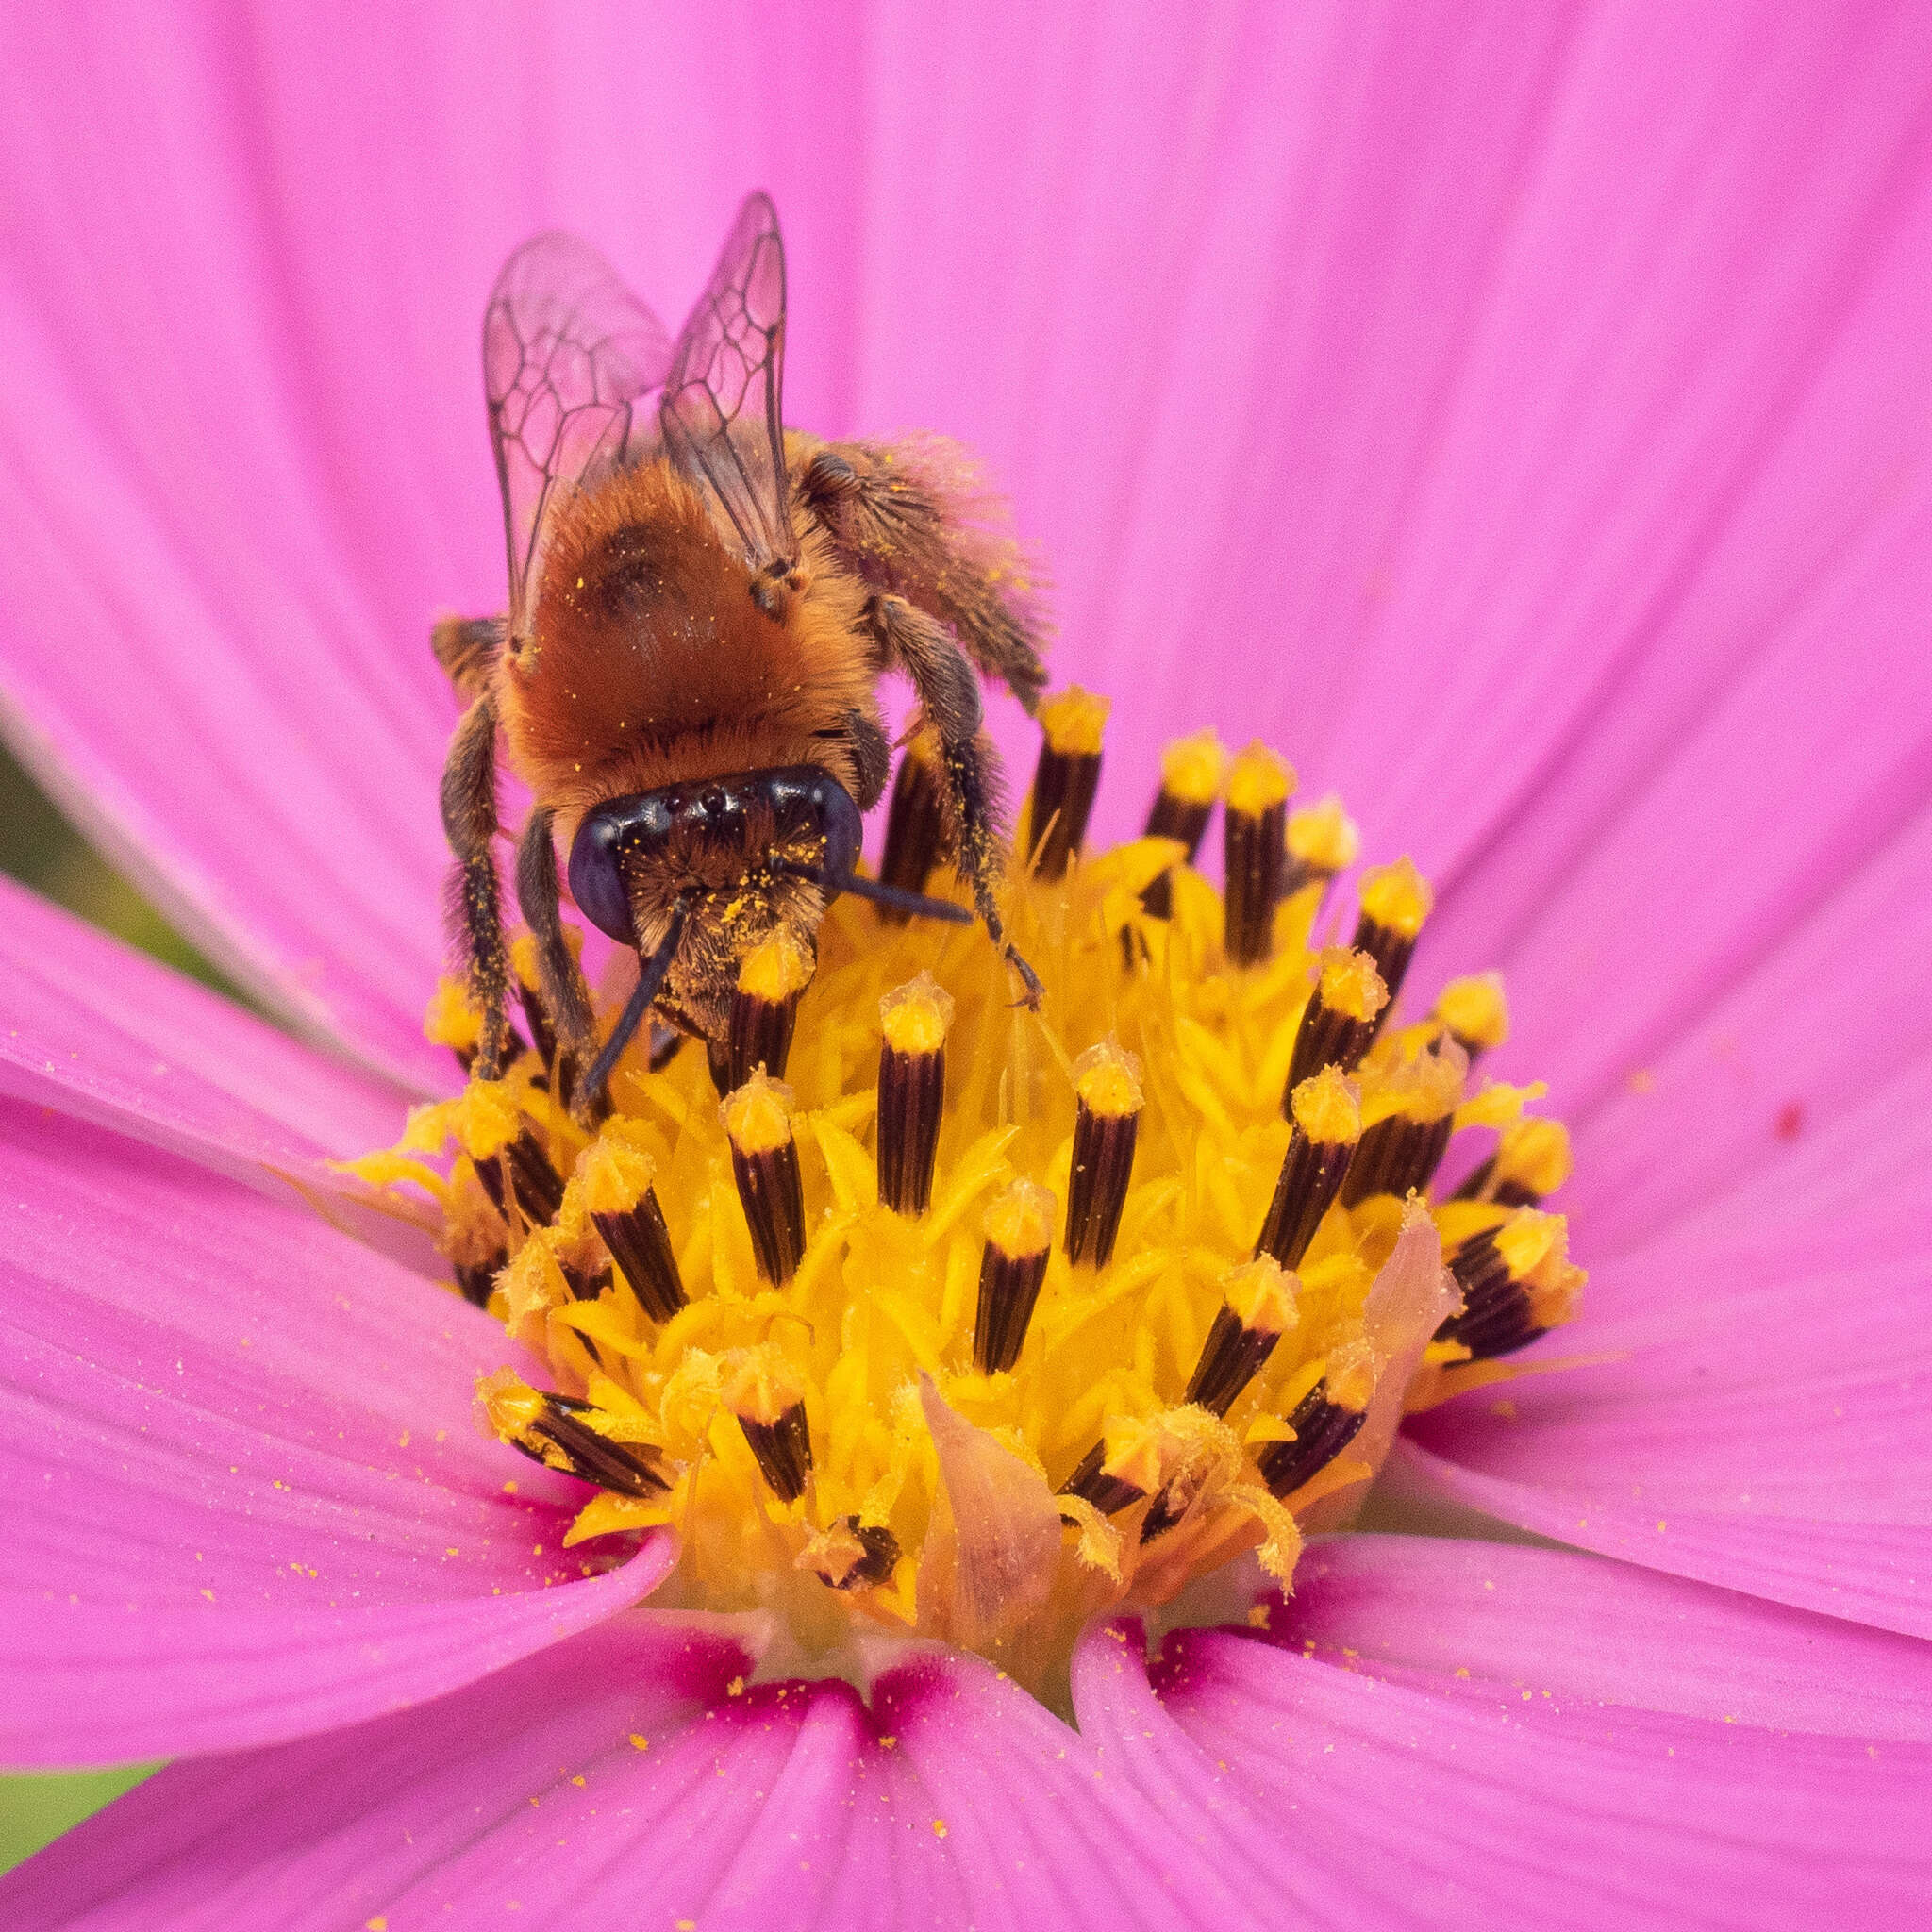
pixel 565 995
pixel 469 819
pixel 948 691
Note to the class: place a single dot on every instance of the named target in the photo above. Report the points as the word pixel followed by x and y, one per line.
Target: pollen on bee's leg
pixel 764 1162
pixel 1328 1125
pixel 617 1173
pixel 1340 1020
pixel 764 1008
pixel 1065 779
pixel 1325 1421
pixel 1257 1308
pixel 1018 1224
pixel 1517 1282
pixel 1531 1160
pixel 1402 1150
pixel 566 1433
pixel 1474 1014
pixel 912 1088
pixel 1107 1121
pixel 1254 819
pixel 1395 900
pixel 763 1391
pixel 1322 841
pixel 1193 770
pixel 915 829
pixel 850 1555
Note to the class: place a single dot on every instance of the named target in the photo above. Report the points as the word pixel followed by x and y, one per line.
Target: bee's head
pixel 795 819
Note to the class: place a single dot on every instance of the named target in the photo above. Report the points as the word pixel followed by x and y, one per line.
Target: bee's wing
pixel 723 412
pixel 567 352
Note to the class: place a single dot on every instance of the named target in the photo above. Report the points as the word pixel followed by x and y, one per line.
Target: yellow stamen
pixel 980 1328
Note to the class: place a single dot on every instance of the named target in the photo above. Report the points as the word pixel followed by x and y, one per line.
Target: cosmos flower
pixel 1519 420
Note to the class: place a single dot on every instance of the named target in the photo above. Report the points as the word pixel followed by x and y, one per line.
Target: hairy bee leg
pixel 469 820
pixel 466 647
pixel 949 694
pixel 566 997
pixel 887 517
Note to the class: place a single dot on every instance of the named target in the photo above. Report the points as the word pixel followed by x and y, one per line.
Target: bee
pixel 702 603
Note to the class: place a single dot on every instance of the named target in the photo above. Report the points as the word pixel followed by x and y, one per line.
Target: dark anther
pixel 1396 1154
pixel 915 829
pixel 1018 1232
pixel 764 1010
pixel 1107 1123
pixel 533 1178
pixel 1254 823
pixel 913 1087
pixel 1340 1020
pixel 1327 1126
pixel 478 1280
pixel 1257 1307
pixel 1395 900
pixel 764 1161
pixel 782 1449
pixel 1091 1482
pixel 639 1243
pixel 1192 770
pixel 631 1469
pixel 851 1555
pixel 1065 779
pixel 1323 1429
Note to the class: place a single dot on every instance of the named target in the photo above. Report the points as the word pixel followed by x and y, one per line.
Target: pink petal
pixel 1760 1422
pixel 954 1800
pixel 1474 1736
pixel 249 1498
pixel 101 1032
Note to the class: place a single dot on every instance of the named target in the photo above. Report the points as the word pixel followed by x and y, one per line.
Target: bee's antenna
pixel 651 973
pixel 915 905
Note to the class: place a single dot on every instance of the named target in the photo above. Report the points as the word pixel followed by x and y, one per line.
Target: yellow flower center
pixel 968 1322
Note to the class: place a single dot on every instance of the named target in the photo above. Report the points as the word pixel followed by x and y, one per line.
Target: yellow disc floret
pixel 997 1318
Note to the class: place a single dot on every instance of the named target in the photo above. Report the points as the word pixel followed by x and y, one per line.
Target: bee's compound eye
pixel 597 876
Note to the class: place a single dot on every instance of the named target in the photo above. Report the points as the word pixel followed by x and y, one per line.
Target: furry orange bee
pixel 702 603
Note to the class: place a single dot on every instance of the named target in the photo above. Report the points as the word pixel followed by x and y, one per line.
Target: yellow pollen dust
pixel 776 969
pixel 914 1017
pixel 1074 721
pixel 1474 1011
pixel 1020 1219
pixel 1535 1153
pixel 1262 1295
pixel 1193 770
pixel 759 1116
pixel 1397 897
pixel 1351 984
pixel 1107 1079
pixel 1322 837
pixel 1260 778
pixel 1328 1109
pixel 826 1450
pixel 617 1169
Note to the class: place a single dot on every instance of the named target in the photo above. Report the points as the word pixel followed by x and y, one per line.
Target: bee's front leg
pixel 566 997
pixel 948 691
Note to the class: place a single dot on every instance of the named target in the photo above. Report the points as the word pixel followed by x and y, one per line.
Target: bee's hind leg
pixel 476 892
pixel 561 986
pixel 942 677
